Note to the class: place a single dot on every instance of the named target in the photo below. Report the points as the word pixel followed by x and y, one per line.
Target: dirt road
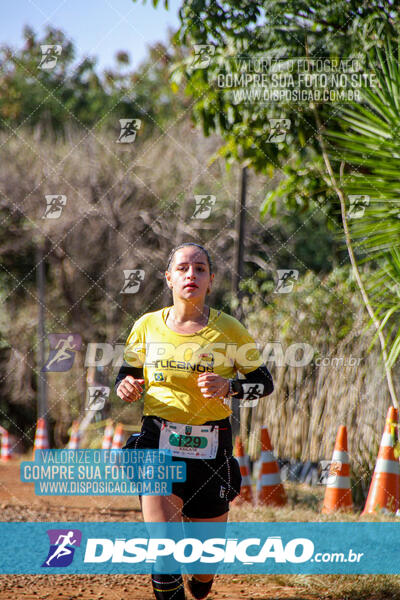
pixel 18 502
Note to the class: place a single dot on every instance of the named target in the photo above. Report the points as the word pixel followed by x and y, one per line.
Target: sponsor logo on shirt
pixel 183 365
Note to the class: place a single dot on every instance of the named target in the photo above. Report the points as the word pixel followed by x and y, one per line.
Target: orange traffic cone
pixel 41 439
pixel 338 491
pixel 75 438
pixel 5 446
pixel 246 494
pixel 384 491
pixel 108 436
pixel 118 437
pixel 270 489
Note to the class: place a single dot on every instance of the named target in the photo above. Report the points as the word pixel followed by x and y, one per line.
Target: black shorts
pixel 210 483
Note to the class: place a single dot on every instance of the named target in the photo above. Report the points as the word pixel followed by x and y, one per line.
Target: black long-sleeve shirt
pixel 260 380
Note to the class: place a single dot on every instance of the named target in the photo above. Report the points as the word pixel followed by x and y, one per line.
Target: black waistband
pixel 222 423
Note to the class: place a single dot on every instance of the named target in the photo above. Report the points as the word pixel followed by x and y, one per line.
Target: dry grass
pixel 311 401
pixel 330 587
pixel 304 505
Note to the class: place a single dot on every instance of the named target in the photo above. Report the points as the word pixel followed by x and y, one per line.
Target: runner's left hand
pixel 212 385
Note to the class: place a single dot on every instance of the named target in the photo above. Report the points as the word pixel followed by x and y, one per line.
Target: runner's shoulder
pixel 230 322
pixel 143 319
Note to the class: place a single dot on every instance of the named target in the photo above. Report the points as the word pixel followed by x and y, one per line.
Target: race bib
pixel 190 441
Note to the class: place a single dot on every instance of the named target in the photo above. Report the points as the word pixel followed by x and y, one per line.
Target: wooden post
pixel 239 244
pixel 237 277
pixel 42 376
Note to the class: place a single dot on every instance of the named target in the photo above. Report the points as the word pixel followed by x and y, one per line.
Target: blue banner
pixel 255 548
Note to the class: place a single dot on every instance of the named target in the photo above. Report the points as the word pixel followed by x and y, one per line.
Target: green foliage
pixel 48 97
pixel 75 93
pixel 317 311
pixel 368 145
pixel 366 134
pixel 304 183
pixel 275 29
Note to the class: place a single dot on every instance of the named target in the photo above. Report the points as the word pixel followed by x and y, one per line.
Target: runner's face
pixel 189 273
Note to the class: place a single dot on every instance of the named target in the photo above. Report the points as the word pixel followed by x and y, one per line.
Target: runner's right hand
pixel 130 389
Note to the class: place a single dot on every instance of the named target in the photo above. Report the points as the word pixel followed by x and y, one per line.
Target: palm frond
pixel 369 145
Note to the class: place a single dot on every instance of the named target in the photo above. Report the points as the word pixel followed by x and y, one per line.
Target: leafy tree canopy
pixel 74 92
pixel 237 31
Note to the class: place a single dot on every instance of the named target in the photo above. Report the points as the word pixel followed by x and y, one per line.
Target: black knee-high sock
pixel 200 589
pixel 168 587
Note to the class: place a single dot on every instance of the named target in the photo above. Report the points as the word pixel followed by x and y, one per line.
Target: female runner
pixel 186 355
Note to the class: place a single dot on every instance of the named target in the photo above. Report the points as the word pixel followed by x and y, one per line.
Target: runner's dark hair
pixel 172 254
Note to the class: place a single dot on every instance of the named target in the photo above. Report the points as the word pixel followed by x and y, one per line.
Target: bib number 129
pixel 194 441
pixel 187 441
